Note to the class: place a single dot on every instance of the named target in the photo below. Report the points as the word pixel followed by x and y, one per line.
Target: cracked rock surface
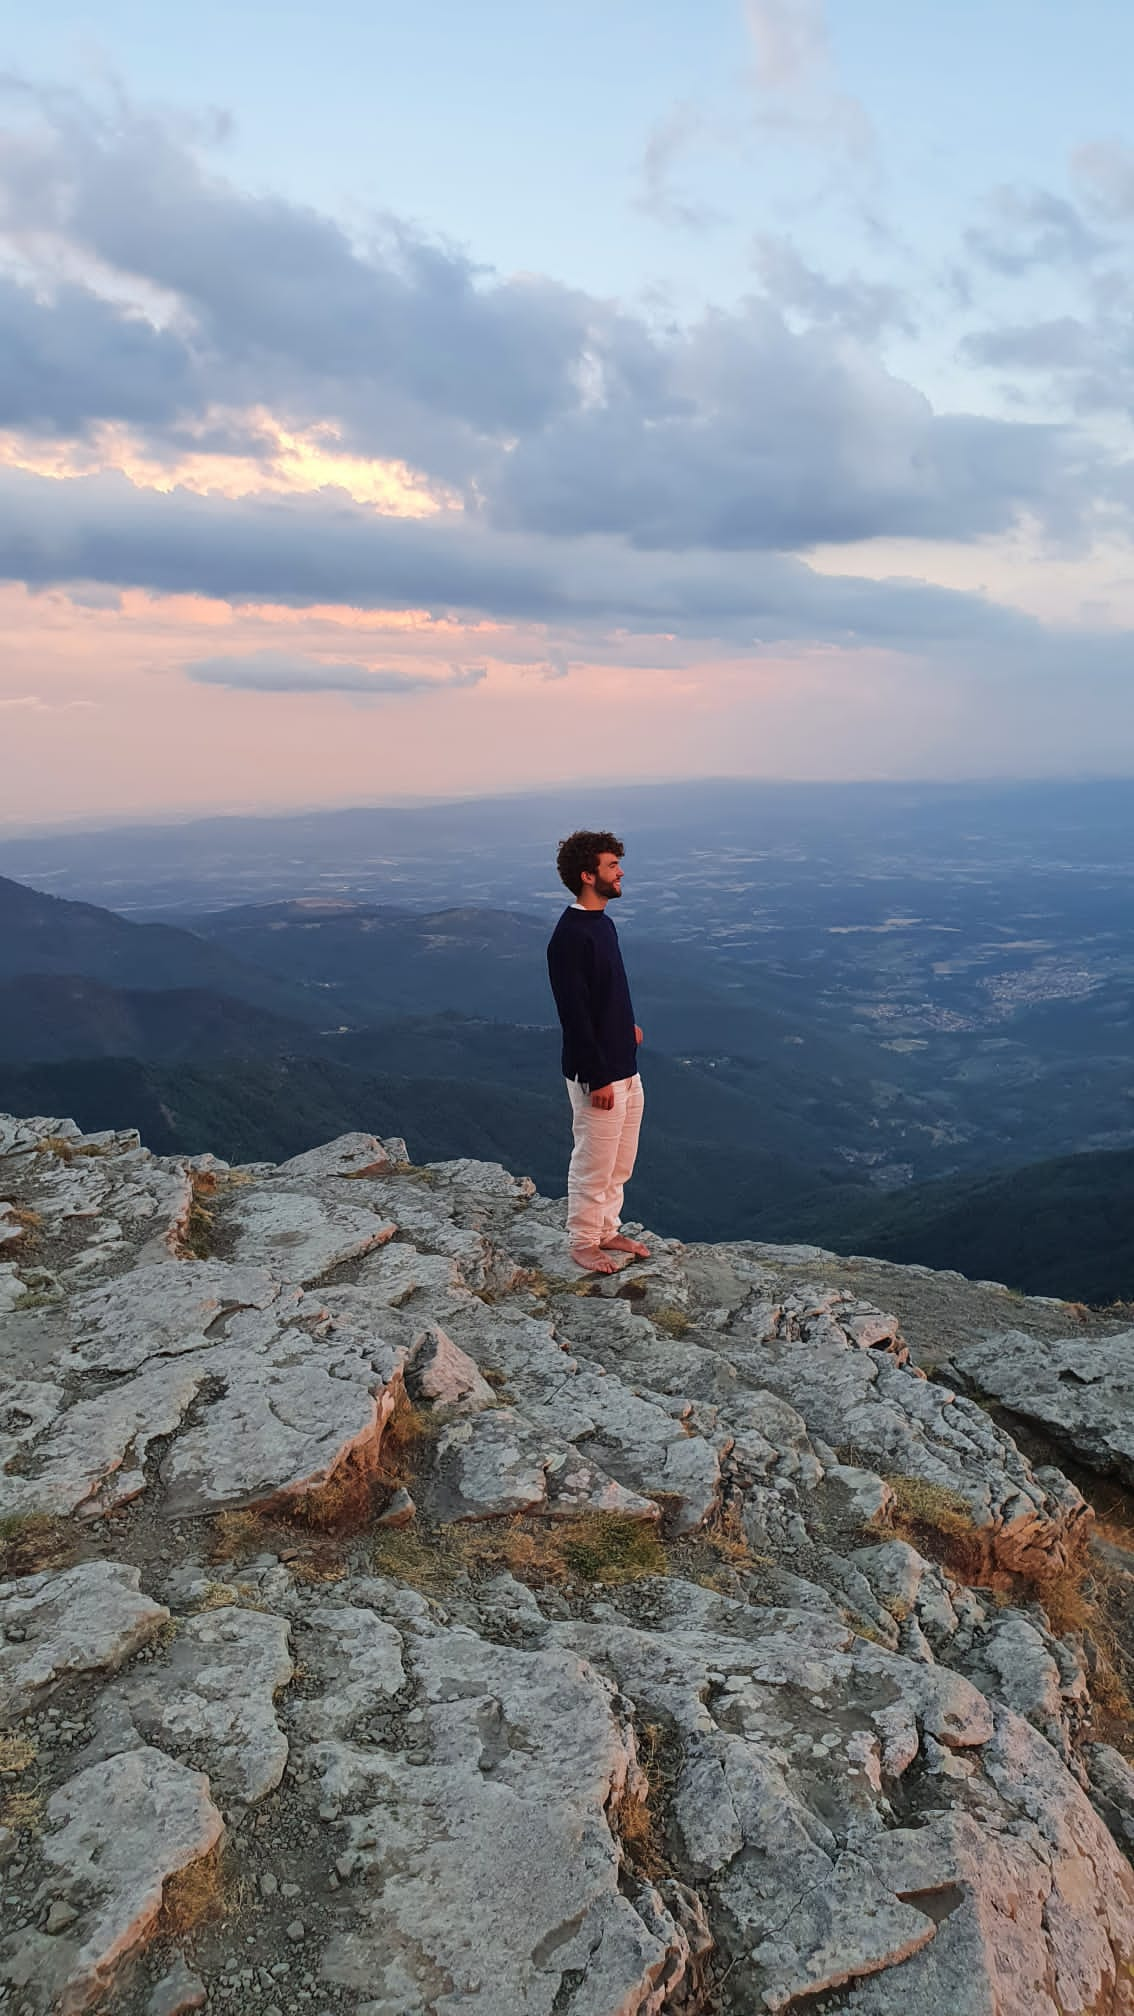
pixel 1080 1389
pixel 393 1622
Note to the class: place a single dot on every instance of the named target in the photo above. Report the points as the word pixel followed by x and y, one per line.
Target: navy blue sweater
pixel 592 995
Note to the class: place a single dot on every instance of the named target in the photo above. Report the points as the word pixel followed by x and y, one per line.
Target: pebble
pixel 296 1931
pixel 269 1884
pixel 60 1916
pixel 289 1889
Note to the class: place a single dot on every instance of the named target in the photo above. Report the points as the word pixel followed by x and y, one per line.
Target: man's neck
pixel 589 901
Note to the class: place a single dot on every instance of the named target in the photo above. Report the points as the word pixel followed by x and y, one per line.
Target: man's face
pixel 608 877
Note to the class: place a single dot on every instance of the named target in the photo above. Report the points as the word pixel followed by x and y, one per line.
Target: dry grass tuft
pixel 197 1895
pixel 600 1547
pixel 37 1298
pixel 219 1596
pixel 67 1151
pixel 406 1438
pixel 33 1541
pixel 934 1505
pixel 57 1145
pixel 17 1753
pixel 724 1533
pixel 429 1563
pixel 670 1320
pixel 323 1565
pixel 22 1812
pixel 200 1229
pixel 347 1501
pixel 236 1535
pixel 940 1524
pixel 1063 1595
pixel 341 1505
pixel 634 1816
pixel 544 1286
pixel 29 1222
pixel 595 1547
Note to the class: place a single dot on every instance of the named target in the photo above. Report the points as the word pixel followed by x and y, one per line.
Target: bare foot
pixel 620 1245
pixel 594 1260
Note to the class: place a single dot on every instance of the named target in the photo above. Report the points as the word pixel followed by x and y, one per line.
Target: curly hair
pixel 579 854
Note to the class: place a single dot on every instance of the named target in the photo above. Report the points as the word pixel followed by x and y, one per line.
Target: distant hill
pixel 47 1017
pixel 1063 1227
pixel 47 935
pixel 255 1111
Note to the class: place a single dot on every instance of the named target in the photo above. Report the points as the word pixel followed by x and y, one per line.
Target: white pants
pixel 602 1162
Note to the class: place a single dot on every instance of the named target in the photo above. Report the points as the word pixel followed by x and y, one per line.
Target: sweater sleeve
pixel 570 965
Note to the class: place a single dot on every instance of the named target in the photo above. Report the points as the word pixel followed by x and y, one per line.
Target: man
pixel 600 1052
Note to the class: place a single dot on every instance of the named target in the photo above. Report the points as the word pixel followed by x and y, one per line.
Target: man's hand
pixel 603 1098
pixel 638 1036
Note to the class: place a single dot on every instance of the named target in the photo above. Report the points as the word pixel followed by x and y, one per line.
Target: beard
pixel 608 890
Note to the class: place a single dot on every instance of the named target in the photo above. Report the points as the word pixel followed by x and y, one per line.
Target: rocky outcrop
pixel 431 1632
pixel 1078 1389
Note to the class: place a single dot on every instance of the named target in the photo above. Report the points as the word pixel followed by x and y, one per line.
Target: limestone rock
pixel 79 1620
pixel 349 1155
pixel 212 1700
pixel 525 1757
pixel 858 1777
pixel 299 1236
pixel 93 1454
pixel 117 1833
pixel 358 1658
pixel 638 1437
pixel 1080 1390
pixel 1112 1789
pixel 498 1463
pixel 1012 1660
pixel 796 1740
pixel 284 1423
pixel 910 1427
pixel 177 1992
pixel 163 1311
pixel 439 1372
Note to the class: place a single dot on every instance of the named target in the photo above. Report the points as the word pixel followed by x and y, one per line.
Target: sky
pixel 442 400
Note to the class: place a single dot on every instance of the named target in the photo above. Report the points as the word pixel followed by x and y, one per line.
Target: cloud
pixel 76 357
pixel 789 39
pixel 278 305
pixel 797 88
pixel 1061 344
pixel 32 704
pixel 668 140
pixel 555 666
pixel 550 410
pixel 1105 171
pixel 281 672
pixel 1030 228
pixel 752 435
pixel 301 551
pixel 864 308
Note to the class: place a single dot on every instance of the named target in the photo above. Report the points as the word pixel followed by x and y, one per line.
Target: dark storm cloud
pixel 315 549
pixel 550 410
pixel 284 672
